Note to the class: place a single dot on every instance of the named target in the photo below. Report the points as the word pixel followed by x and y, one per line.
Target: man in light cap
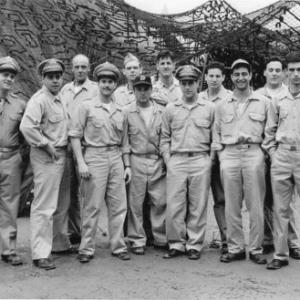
pixel 11 112
pixel 124 94
pixel 44 126
pixel 185 146
pixel 238 134
pixel 144 118
pixel 99 126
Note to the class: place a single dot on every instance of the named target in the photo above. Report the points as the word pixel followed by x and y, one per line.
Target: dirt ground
pixel 149 276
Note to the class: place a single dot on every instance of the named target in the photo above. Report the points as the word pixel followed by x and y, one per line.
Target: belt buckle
pixel 293 148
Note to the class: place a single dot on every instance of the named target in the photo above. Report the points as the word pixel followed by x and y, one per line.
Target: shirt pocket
pixel 202 127
pixel 257 123
pixel 227 128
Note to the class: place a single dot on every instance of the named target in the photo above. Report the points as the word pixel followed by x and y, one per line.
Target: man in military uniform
pixel 282 143
pixel 11 112
pixel 275 89
pixel 166 89
pixel 215 92
pixel 238 134
pixel 124 94
pixel 148 173
pixel 44 126
pixel 185 146
pixel 99 125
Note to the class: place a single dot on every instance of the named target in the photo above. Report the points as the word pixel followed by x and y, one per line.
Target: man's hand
pixel 83 170
pixel 127 175
pixel 52 152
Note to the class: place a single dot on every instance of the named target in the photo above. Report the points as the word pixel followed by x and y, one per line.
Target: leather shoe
pixel 72 250
pixel 124 255
pixel 173 253
pixel 13 259
pixel 138 250
pixel 44 263
pixel 258 259
pixel 276 264
pixel 295 253
pixel 229 257
pixel 267 249
pixel 84 258
pixel 193 254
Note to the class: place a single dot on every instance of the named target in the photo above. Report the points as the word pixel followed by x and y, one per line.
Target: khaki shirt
pixel 223 94
pixel 281 92
pixel 164 95
pixel 186 129
pixel 283 125
pixel 143 139
pixel 45 120
pixel 124 96
pixel 72 100
pixel 10 118
pixel 232 127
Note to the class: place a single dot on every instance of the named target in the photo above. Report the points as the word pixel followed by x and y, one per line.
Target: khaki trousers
pixel 10 181
pixel 105 184
pixel 243 176
pixel 188 182
pixel 47 176
pixel 148 177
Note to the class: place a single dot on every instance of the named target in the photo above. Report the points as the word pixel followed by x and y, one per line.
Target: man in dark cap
pixel 11 112
pixel 144 118
pixel 44 126
pixel 99 126
pixel 185 146
pixel 238 134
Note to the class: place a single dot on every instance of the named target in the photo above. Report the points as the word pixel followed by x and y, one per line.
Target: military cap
pixel 240 62
pixel 187 72
pixel 51 65
pixel 130 57
pixel 142 80
pixel 10 64
pixel 107 70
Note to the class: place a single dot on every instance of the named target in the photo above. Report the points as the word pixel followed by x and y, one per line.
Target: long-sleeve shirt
pixel 240 125
pixel 11 112
pixel 186 128
pixel 45 120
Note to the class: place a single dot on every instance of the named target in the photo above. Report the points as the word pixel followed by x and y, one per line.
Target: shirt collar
pixel 50 95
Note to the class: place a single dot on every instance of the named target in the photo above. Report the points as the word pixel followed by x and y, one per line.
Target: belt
pixel 289 147
pixel 104 148
pixel 188 154
pixel 242 146
pixel 8 149
pixel 147 155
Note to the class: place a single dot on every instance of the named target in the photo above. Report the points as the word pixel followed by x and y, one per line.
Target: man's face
pixel 7 79
pixel 293 73
pixel 80 69
pixel 142 93
pixel 53 82
pixel 189 88
pixel 165 67
pixel 214 78
pixel 106 86
pixel 241 78
pixel 274 73
pixel 132 70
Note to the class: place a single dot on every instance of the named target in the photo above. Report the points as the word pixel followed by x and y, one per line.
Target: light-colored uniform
pixel 186 136
pixel 148 176
pixel 293 239
pixel 282 141
pixel 164 95
pixel 45 121
pixel 11 112
pixel 123 96
pixel 104 136
pixel 67 216
pixel 238 132
pixel 216 184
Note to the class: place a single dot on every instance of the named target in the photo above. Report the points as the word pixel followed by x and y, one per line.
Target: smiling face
pixel 274 73
pixel 241 78
pixel 7 79
pixel 214 78
pixel 165 67
pixel 106 85
pixel 53 82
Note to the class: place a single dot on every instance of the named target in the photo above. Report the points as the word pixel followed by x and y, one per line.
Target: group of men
pixel 155 140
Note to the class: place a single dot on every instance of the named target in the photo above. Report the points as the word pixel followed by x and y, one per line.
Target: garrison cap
pixel 8 63
pixel 130 57
pixel 51 65
pixel 142 80
pixel 240 62
pixel 187 72
pixel 107 70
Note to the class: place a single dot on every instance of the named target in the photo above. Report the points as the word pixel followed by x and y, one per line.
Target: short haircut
pixel 164 54
pixel 215 65
pixel 273 59
pixel 293 57
pixel 242 65
pixel 80 56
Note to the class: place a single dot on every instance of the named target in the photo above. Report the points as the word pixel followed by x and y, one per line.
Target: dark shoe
pixel 276 264
pixel 173 253
pixel 267 249
pixel 84 258
pixel 224 248
pixel 72 250
pixel 13 259
pixel 258 259
pixel 124 255
pixel 44 263
pixel 229 257
pixel 295 253
pixel 138 250
pixel 193 254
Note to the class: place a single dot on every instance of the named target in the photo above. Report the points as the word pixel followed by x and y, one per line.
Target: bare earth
pixel 149 276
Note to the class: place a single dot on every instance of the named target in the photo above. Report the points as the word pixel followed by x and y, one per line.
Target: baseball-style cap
pixel 240 62
pixel 51 65
pixel 187 72
pixel 142 80
pixel 107 70
pixel 8 63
